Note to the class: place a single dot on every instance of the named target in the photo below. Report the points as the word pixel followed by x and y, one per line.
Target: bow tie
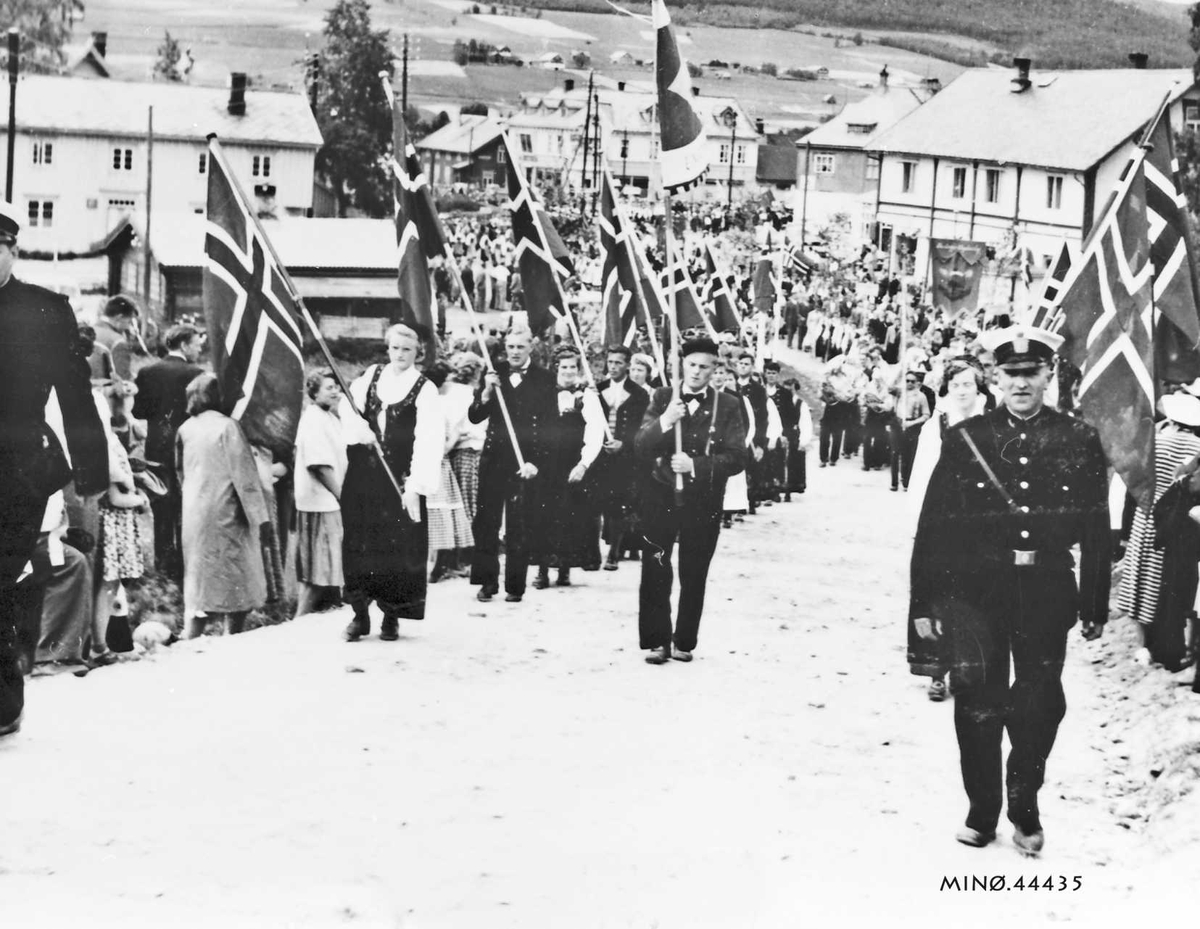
pixel 687 398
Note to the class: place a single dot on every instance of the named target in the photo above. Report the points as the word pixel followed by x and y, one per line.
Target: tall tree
pixel 44 26
pixel 166 65
pixel 353 112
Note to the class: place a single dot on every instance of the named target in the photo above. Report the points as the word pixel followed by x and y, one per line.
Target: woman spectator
pixel 449 525
pixel 223 508
pixel 386 541
pixel 641 371
pixel 570 536
pixel 962 397
pixel 320 471
pixel 1158 585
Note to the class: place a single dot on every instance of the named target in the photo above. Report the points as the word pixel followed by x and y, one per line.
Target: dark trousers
pixel 905 449
pixel 833 430
pixel 507 499
pixel 876 447
pixel 1025 612
pixel 168 553
pixel 696 534
pixel 854 431
pixel 797 462
pixel 20 520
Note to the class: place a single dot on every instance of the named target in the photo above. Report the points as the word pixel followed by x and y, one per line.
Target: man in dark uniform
pixel 714 449
pixel 992 574
pixel 504 492
pixel 777 459
pixel 40 349
pixel 624 404
pixel 750 386
pixel 161 400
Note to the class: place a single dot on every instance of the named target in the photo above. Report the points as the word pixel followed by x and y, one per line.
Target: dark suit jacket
pixel 717 448
pixel 756 393
pixel 789 415
pixel 39 350
pixel 161 400
pixel 533 407
pixel 616 469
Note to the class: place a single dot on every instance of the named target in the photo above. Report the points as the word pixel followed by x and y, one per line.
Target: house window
pixel 43 153
pixel 823 164
pixel 908 171
pixel 1054 186
pixel 204 162
pixel 1191 115
pixel 121 204
pixel 41 213
pixel 741 154
pixel 958 184
pixel 723 158
pixel 122 159
pixel 526 143
pixel 500 155
pixel 991 185
pixel 260 166
pixel 872 168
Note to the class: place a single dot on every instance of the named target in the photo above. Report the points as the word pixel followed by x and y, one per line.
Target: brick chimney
pixel 695 91
pixel 569 84
pixel 237 94
pixel 621 86
pixel 1139 60
pixel 100 43
pixel 759 126
pixel 1021 82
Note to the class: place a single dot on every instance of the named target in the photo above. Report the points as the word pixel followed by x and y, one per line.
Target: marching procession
pixel 570 395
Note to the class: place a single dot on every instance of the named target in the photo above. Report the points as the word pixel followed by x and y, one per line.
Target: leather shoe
pixel 1029 843
pixel 357 629
pixel 974 837
pixel 389 630
pixel 486 592
pixel 680 655
pixel 659 655
pixel 610 566
pixel 13 727
pixel 541 582
pixel 512 598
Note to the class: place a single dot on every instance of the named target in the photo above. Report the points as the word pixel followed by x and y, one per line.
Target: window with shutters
pixel 1054 188
pixel 43 152
pixel 204 162
pixel 260 166
pixel 122 159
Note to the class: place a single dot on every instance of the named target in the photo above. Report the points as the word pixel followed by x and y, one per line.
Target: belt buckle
pixel 1024 559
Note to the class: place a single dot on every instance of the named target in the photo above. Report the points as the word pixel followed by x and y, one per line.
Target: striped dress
pixel 1141 577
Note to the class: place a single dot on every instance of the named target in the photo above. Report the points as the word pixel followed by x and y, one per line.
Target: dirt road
pixel 520 766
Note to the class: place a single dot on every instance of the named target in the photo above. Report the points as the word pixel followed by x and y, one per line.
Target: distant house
pixel 1019 156
pixel 620 57
pixel 470 151
pixel 81 152
pixel 89 61
pixel 551 61
pixel 345 269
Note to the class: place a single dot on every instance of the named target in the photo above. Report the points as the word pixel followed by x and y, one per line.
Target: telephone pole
pixel 14 64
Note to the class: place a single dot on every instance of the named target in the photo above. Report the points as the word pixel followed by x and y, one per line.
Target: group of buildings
pixel 999 156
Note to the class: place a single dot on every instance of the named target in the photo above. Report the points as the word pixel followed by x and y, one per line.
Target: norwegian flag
pixel 683 156
pixel 794 260
pixel 1107 310
pixel 677 280
pixel 619 278
pixel 254 316
pixel 541 255
pixel 1046 313
pixel 419 237
pixel 1177 333
pixel 717 295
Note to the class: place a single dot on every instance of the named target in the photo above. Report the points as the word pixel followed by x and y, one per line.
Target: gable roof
pixel 877 113
pixel 465 138
pixel 1066 120
pixel 777 164
pixel 79 106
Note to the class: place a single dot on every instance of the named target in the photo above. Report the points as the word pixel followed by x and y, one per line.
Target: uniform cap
pixel 1181 408
pixel 692 346
pixel 1021 346
pixel 10 226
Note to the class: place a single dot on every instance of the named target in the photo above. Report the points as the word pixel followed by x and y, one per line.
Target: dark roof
pixel 777 164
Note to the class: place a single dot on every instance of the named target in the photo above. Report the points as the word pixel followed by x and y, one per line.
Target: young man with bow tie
pixel 713 449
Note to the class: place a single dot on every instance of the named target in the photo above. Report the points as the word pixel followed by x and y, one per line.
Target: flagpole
pixel 215 149
pixel 672 303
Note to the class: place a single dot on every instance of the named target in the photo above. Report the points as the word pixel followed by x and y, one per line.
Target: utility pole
pixel 14 64
pixel 732 148
pixel 596 153
pixel 149 190
pixel 625 157
pixel 404 79
pixel 587 137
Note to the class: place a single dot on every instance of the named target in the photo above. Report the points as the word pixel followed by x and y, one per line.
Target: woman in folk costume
pixel 449 524
pixel 571 533
pixel 386 545
pixel 962 396
pixel 1158 585
pixel 223 510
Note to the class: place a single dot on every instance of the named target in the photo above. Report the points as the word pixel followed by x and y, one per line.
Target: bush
pixel 694 70
pixel 858 38
pixel 769 68
pixel 475 8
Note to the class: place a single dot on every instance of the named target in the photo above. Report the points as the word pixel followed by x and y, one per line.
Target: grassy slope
pixel 1055 33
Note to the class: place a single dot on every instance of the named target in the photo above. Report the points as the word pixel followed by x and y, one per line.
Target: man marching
pixel 992 574
pixel 714 449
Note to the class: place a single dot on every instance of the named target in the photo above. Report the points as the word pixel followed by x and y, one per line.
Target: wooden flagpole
pixel 215 149
pixel 672 305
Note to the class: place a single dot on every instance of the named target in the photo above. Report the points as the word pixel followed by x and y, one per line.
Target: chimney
pixel 100 43
pixel 1021 82
pixel 569 84
pixel 883 78
pixel 237 94
pixel 621 86
pixel 1139 60
pixel 758 126
pixel 695 91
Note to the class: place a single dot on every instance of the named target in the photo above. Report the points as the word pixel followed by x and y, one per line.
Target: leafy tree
pixel 769 68
pixel 581 60
pixel 353 113
pixel 474 109
pixel 44 26
pixel 166 65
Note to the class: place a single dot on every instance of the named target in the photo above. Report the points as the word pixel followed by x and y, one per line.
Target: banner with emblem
pixel 957 267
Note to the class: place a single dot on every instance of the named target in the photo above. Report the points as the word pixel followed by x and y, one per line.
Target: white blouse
pixel 425 474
